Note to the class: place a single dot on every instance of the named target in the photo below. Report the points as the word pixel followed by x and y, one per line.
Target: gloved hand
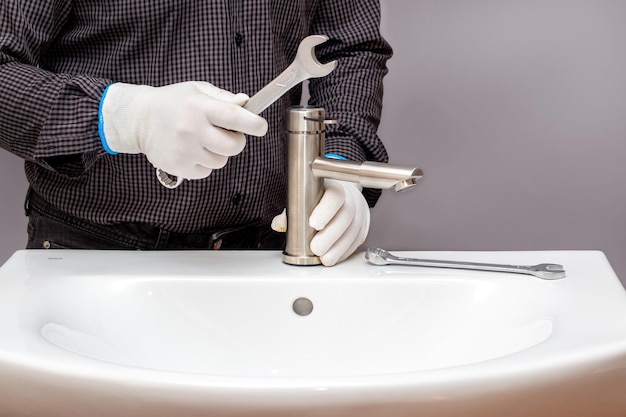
pixel 342 219
pixel 186 129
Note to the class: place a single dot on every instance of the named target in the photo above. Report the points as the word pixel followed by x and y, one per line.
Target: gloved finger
pixel 212 91
pixel 239 99
pixel 340 247
pixel 326 238
pixel 330 203
pixel 198 172
pixel 220 94
pixel 208 159
pixel 231 116
pixel 354 234
pixel 347 229
pixel 279 222
pixel 223 142
pixel 191 172
pixel 363 214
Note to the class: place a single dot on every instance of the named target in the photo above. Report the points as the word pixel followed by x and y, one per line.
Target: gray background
pixel 516 111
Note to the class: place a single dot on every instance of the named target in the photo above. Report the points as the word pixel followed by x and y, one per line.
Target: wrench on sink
pixel 304 66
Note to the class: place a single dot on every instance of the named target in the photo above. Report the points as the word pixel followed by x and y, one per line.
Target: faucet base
pixel 303 260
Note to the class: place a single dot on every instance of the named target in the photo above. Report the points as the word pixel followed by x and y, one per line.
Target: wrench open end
pixel 308 60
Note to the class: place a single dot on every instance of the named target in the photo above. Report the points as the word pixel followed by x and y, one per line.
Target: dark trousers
pixel 50 228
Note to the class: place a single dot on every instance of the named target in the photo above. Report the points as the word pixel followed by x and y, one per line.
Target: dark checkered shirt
pixel 57 57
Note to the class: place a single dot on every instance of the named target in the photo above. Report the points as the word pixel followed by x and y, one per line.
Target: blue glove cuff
pixel 103 139
pixel 335 156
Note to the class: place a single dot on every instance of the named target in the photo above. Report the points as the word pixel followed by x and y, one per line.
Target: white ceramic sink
pixel 102 333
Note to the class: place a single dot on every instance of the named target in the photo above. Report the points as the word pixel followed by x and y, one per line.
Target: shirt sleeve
pixel 47 117
pixel 352 94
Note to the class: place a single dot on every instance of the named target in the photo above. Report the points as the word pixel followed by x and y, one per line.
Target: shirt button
pixel 236 198
pixel 238 39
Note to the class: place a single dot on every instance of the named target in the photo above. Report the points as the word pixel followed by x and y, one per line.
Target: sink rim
pixel 546 355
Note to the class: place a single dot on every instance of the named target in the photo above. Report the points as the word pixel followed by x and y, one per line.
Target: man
pixel 94 95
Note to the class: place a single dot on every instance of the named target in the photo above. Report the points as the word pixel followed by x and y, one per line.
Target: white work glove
pixel 342 219
pixel 186 129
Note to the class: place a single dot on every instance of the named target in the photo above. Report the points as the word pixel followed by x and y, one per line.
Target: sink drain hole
pixel 302 306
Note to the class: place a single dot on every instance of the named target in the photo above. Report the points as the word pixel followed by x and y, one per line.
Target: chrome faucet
pixel 306 169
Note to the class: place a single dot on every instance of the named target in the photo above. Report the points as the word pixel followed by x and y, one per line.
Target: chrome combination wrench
pixel 304 66
pixel 378 256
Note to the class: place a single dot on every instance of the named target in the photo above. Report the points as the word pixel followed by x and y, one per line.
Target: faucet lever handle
pixel 320 120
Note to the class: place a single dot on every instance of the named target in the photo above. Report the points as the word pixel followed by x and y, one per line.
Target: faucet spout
pixel 369 174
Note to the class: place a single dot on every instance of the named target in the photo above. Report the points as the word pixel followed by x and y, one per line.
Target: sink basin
pixel 236 333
